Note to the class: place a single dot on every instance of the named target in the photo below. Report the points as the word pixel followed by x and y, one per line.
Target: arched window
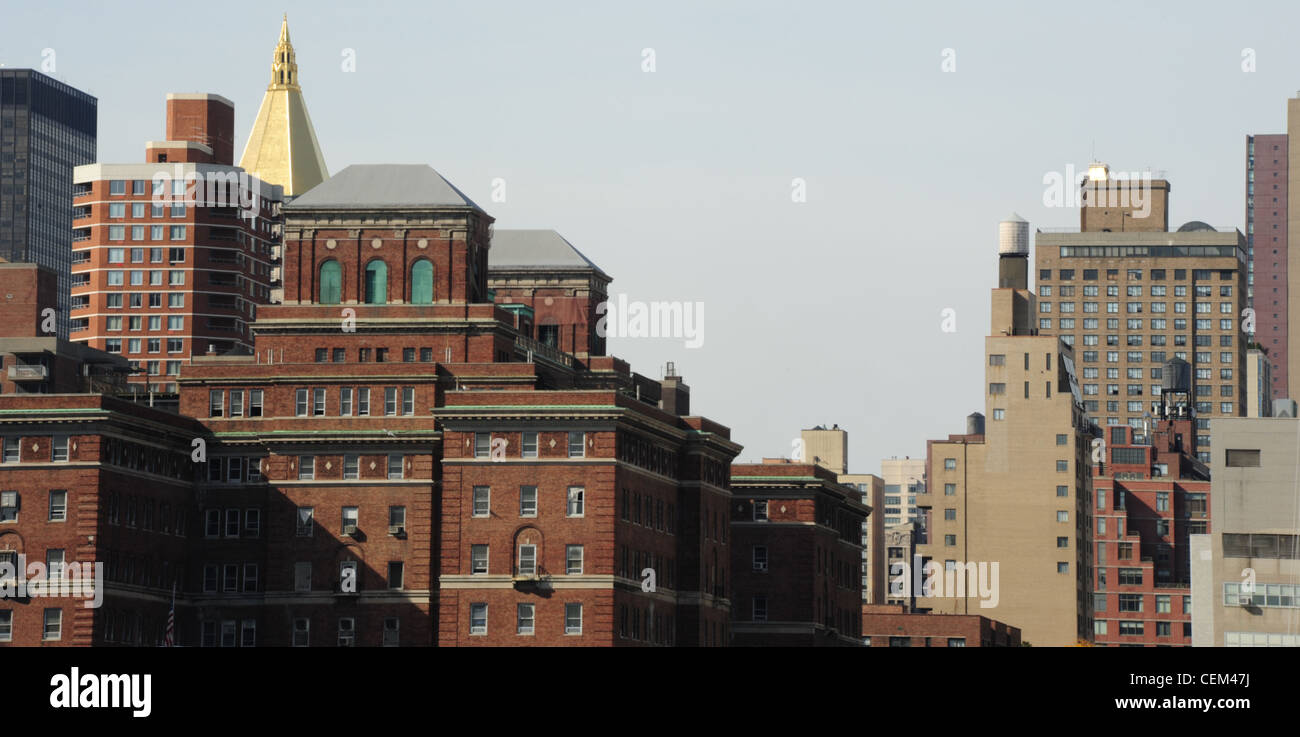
pixel 331 283
pixel 376 283
pixel 422 283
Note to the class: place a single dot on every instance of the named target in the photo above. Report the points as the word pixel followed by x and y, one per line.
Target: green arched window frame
pixel 331 283
pixel 422 282
pixel 376 283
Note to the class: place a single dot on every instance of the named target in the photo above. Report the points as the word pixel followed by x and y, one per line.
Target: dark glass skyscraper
pixel 46 129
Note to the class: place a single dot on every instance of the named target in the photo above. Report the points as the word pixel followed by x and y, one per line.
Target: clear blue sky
pixel 677 182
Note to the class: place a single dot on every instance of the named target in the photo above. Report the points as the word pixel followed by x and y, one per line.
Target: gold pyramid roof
pixel 282 148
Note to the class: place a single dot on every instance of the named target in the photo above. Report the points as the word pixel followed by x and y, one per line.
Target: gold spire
pixel 284 66
pixel 282 147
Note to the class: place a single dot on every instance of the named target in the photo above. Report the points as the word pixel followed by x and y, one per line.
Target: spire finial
pixel 284 67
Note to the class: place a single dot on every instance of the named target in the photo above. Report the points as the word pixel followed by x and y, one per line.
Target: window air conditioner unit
pixel 350 530
pixel 396 530
pixel 1244 599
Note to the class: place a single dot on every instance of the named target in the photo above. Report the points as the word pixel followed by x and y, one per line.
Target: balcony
pixel 24 372
pixel 532 347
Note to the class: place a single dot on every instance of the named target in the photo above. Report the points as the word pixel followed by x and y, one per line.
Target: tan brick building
pixel 1013 491
pixel 1128 294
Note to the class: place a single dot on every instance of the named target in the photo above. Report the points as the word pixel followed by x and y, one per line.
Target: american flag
pixel 169 638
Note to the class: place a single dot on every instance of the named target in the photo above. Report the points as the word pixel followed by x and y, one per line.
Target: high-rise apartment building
pixel 1259 383
pixel 1128 295
pixel 172 257
pixel 904 479
pixel 46 129
pixel 1151 493
pixel 872 489
pixel 1007 502
pixel 1267 284
pixel 1246 571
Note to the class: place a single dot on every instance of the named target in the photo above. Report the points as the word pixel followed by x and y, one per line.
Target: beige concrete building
pixel 1129 295
pixel 872 488
pixel 828 448
pixel 1246 572
pixel 904 479
pixel 1259 384
pixel 900 556
pixel 1008 501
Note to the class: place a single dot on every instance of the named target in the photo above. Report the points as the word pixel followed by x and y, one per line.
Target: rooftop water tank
pixel 1013 236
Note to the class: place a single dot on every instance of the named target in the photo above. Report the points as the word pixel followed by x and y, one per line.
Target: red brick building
pixel 172 257
pixel 480 487
pixel 84 478
pixel 886 625
pixel 1150 494
pixel 396 462
pixel 796 556
pixel 560 288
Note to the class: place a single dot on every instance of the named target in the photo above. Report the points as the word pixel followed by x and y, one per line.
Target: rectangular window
pixel 408 400
pixel 525 618
pixel 363 401
pixel 306 468
pixel 478 619
pixel 345 402
pixel 255 403
pixel 575 502
pixel 528 501
pixel 573 560
pixel 760 558
pixel 396 574
pixel 318 402
pixel 305 521
pixel 529 445
pixel 53 629
pixel 58 505
pixel 482 503
pixel 527 560
pixel 1236 458
pixel 302 576
pixel 395 465
pixel 300 402
pixel 390 401
pixel 351 466
pixel 572 618
pixel 482 444
pixel 301 631
pixel 577 444
pixel 478 558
